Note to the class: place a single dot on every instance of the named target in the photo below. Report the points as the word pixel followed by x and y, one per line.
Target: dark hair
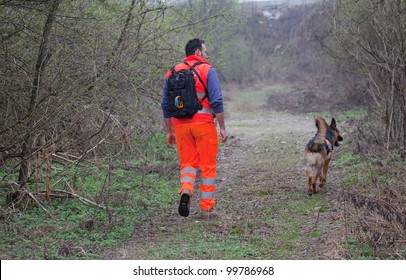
pixel 193 45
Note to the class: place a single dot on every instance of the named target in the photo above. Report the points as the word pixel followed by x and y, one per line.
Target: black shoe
pixel 184 205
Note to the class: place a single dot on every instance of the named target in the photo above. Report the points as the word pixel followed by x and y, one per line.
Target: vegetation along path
pixel 265 212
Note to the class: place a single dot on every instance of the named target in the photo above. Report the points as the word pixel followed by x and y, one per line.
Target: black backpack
pixel 182 99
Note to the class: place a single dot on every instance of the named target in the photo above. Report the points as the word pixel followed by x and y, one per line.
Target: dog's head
pixel 337 136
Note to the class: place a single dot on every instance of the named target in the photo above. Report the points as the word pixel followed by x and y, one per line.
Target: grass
pixel 201 242
pixel 377 176
pixel 359 251
pixel 361 171
pixel 252 100
pixel 353 114
pixel 295 219
pixel 341 116
pixel 131 191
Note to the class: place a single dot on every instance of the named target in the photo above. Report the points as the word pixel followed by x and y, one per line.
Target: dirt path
pixel 265 160
pixel 261 196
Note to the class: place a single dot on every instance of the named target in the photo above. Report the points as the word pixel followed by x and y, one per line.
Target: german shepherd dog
pixel 317 154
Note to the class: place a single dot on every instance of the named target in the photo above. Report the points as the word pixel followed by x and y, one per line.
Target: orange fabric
pixel 203 70
pixel 197 144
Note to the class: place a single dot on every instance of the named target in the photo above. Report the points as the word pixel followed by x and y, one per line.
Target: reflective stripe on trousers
pixel 188 178
pixel 197 144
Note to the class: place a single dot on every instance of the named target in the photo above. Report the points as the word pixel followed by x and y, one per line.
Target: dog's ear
pixel 333 122
pixel 318 122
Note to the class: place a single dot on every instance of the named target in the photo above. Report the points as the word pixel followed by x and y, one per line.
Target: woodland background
pixel 81 84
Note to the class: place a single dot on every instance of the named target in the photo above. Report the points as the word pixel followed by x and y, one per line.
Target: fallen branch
pixel 66 159
pixel 39 203
pixel 54 193
pixel 317 221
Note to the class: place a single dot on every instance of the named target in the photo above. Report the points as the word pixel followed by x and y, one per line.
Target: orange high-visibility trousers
pixel 197 144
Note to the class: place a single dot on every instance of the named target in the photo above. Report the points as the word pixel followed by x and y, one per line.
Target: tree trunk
pixel 26 153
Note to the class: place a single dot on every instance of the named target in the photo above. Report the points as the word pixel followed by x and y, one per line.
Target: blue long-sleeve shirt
pixel 214 93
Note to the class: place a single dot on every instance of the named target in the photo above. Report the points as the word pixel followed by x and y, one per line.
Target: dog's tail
pixel 315 145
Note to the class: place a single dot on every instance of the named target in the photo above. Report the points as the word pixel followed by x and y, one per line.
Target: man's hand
pixel 170 135
pixel 224 135
pixel 171 140
pixel 223 132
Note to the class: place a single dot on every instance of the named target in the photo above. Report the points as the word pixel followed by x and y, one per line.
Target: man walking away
pixel 196 135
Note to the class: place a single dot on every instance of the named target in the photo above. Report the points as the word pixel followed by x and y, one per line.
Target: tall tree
pixel 373 33
pixel 40 65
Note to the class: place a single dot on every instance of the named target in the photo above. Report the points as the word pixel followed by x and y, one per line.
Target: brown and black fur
pixel 317 154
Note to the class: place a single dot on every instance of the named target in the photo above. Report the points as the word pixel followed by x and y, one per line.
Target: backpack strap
pixel 198 76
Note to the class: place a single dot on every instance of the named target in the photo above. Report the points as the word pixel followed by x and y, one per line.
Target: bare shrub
pixel 82 80
pixel 375 197
pixel 378 222
pixel 373 34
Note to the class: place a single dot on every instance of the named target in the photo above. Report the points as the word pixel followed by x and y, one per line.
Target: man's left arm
pixel 170 135
pixel 216 101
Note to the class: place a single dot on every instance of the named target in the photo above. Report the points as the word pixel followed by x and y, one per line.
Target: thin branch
pixel 39 203
pixel 57 193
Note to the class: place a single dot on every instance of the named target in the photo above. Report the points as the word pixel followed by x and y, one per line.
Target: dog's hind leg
pixel 311 183
pixel 314 184
pixel 323 177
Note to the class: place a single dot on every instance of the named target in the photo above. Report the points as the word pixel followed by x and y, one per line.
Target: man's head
pixel 196 47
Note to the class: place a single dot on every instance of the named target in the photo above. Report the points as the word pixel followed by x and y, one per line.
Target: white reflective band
pixel 206 195
pixel 209 182
pixel 188 170
pixel 200 94
pixel 187 179
pixel 205 111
